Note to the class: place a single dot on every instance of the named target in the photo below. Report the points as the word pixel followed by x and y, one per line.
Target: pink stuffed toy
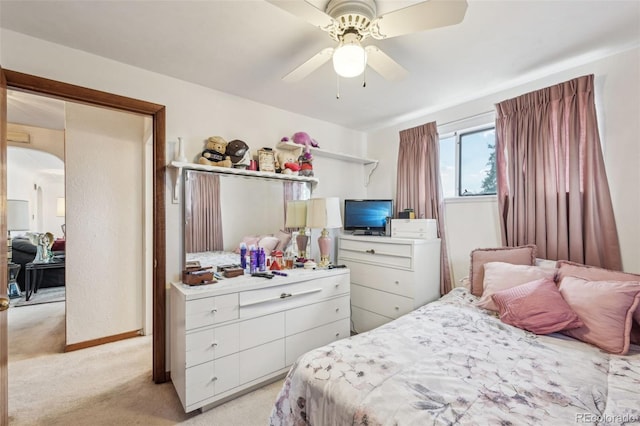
pixel 303 138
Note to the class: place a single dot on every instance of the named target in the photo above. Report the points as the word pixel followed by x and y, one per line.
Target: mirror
pixel 248 206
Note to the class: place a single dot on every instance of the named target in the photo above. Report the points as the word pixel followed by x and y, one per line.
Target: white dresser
pixel 389 276
pixel 229 337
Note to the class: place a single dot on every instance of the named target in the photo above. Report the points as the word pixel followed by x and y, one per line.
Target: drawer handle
pixel 214 310
pixel 372 251
pixel 337 334
pixel 337 285
pixel 214 379
pixel 397 282
pixel 337 309
pixel 397 308
pixel 214 344
pixel 285 295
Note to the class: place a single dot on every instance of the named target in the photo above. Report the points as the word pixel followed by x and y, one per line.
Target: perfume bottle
pixel 253 259
pixel 243 256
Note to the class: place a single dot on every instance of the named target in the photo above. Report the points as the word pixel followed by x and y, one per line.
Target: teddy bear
pixel 214 153
pixel 287 162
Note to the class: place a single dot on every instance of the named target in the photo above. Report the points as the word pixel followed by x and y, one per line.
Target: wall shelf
pixel 335 155
pixel 328 154
pixel 179 166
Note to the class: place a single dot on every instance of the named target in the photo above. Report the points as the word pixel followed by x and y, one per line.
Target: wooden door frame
pixel 69 92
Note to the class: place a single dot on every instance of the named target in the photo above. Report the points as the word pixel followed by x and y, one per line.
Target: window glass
pixel 477 163
pixel 468 162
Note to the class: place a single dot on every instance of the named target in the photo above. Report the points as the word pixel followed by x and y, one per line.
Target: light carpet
pixel 104 385
pixel 44 295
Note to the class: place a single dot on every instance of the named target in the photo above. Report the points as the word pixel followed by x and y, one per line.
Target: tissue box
pixel 422 229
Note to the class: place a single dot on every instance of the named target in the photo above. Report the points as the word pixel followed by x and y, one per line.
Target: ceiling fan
pixel 350 22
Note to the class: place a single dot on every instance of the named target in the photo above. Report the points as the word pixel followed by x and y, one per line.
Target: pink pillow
pixel 536 306
pixel 251 240
pixel 593 273
pixel 268 244
pixel 284 238
pixel 501 276
pixel 606 309
pixel 523 255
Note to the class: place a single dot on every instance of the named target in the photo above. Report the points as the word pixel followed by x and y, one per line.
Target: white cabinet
pixel 389 276
pixel 230 337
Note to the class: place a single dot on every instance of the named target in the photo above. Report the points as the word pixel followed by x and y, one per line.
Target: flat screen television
pixel 367 217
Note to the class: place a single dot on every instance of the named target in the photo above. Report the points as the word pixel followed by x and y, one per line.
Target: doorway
pixel 45 87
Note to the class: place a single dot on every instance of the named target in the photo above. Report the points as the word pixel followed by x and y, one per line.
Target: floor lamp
pixel 297 218
pixel 324 213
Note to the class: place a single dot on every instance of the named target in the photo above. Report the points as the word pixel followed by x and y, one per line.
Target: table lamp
pixel 324 213
pixel 297 218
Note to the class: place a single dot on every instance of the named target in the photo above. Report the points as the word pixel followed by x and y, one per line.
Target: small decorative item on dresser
pixel 198 277
pixel 266 160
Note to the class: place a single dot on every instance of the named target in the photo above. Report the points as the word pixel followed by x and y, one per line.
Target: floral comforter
pixel 452 363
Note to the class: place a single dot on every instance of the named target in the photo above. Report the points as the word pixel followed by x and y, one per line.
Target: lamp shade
pixel 324 213
pixel 296 214
pixel 17 215
pixel 349 58
pixel 60 207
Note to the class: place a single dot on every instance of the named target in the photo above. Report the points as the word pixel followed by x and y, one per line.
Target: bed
pixel 214 258
pixel 451 362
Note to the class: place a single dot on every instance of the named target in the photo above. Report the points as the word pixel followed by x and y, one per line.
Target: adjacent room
pixel 325 212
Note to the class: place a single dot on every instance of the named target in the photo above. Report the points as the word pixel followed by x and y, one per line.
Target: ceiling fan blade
pixel 419 17
pixel 310 66
pixel 383 64
pixel 306 11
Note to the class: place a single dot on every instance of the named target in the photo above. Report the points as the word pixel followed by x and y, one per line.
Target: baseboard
pixel 102 341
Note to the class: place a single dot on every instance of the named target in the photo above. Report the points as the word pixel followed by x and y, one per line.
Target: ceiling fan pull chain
pixel 364 73
pixel 337 86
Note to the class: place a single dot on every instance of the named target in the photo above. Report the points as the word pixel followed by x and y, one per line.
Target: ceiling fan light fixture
pixel 350 58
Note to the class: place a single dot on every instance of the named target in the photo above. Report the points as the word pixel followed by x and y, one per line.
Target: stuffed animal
pixel 240 154
pixel 303 138
pixel 306 168
pixel 214 153
pixel 287 162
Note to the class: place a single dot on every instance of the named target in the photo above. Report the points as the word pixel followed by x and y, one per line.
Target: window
pixel 468 162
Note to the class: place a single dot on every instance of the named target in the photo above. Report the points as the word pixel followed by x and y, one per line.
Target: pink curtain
pixel 418 184
pixel 552 184
pixel 203 222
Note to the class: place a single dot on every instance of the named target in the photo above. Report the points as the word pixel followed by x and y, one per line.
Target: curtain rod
pixel 466 118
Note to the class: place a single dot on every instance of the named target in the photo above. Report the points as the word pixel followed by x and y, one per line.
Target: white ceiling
pixel 245 47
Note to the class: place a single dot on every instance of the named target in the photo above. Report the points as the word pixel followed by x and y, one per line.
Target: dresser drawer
pixel 383 303
pixel 414 228
pixel 257 331
pixel 397 281
pixel 377 253
pixel 211 343
pixel 317 314
pixel 365 320
pixel 267 300
pixel 209 379
pixel 211 310
pixel 261 360
pixel 300 343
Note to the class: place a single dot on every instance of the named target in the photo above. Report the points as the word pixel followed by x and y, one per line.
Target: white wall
pixel 193 113
pixel 475 223
pixel 105 222
pixel 31 171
